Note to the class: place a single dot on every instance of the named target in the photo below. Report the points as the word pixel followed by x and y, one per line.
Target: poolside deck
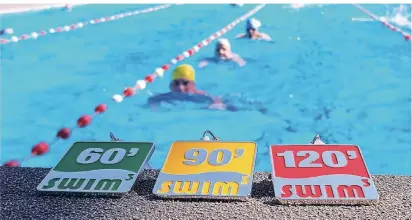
pixel 19 200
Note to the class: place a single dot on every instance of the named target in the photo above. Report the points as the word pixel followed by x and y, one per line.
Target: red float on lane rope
pixel 100 108
pixel 166 67
pixel 128 92
pixel 12 163
pixel 64 133
pixel 149 78
pixel 84 121
pixel 40 149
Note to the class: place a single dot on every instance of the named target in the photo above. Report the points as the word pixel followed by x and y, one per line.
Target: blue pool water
pixel 348 81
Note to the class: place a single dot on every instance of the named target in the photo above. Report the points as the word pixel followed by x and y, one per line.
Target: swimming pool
pixel 348 81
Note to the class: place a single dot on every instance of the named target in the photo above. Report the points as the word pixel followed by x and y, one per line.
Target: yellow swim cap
pixel 184 71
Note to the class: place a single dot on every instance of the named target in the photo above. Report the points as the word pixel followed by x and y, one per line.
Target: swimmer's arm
pixel 241 35
pixel 239 60
pixel 217 103
pixel 157 99
pixel 204 62
pixel 265 37
pixel 154 101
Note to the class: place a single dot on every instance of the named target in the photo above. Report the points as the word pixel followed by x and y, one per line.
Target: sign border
pixel 146 160
pixel 314 199
pixel 208 196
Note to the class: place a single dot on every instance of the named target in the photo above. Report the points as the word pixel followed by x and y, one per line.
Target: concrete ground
pixel 19 200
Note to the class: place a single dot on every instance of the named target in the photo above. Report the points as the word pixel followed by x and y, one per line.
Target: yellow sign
pixel 202 168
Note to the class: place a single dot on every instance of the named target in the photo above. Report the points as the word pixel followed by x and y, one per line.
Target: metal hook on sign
pixel 317 140
pixel 206 138
pixel 114 138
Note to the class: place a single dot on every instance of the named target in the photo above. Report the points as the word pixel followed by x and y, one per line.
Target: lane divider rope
pixel 71 27
pixel 406 36
pixel 42 147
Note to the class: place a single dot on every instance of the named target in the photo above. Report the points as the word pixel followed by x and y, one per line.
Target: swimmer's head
pixel 223 48
pixel 252 26
pixel 183 79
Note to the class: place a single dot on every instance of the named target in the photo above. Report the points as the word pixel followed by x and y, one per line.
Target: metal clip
pixel 206 138
pixel 114 138
pixel 316 140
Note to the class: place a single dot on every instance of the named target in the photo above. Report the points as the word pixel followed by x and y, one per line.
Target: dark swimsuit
pixel 176 96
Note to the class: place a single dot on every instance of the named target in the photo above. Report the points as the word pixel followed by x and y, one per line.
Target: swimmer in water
pixel 6 31
pixel 68 7
pixel 183 88
pixel 401 16
pixel 252 31
pixel 223 52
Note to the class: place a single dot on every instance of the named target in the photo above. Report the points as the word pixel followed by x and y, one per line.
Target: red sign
pixel 317 172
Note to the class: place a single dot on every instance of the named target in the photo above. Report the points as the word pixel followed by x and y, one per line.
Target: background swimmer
pixel 223 52
pixel 400 16
pixel 237 5
pixel 183 88
pixel 6 31
pixel 252 31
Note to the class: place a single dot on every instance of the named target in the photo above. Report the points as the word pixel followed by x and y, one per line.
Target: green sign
pixel 98 167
